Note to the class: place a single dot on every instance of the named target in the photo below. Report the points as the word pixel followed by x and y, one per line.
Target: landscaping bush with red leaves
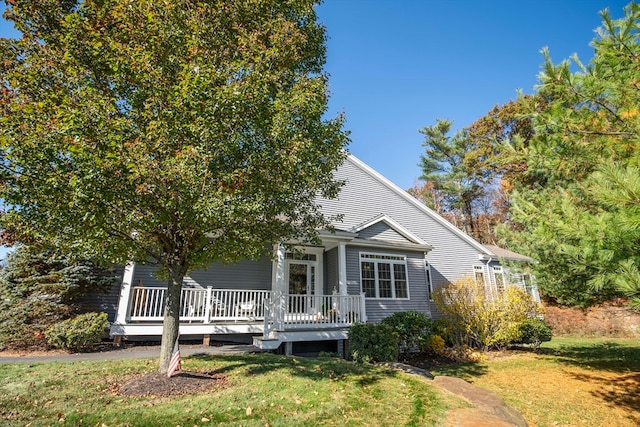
pixel 611 319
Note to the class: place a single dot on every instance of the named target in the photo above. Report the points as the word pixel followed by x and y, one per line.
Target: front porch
pixel 271 317
pixel 284 299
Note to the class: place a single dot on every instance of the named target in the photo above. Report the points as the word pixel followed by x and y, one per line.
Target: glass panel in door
pixel 300 286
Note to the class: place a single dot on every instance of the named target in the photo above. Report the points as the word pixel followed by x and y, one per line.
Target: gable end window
pixel 384 276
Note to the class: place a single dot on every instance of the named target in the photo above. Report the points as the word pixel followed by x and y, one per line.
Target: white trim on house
pixel 428 274
pixel 386 182
pixel 479 269
pixel 122 313
pixel 372 243
pixel 498 272
pixel 317 264
pixel 394 225
pixel 384 258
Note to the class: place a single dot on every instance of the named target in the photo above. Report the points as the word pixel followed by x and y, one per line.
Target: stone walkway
pixel 489 410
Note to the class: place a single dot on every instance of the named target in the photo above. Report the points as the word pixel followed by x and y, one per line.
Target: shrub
pixel 534 331
pixel 435 345
pixel 476 320
pixel 79 332
pixel 463 353
pixel 373 342
pixel 413 329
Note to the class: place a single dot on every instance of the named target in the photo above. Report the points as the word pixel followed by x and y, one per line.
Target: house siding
pixel 253 275
pixel 378 309
pixel 382 231
pixel 107 301
pixel 364 196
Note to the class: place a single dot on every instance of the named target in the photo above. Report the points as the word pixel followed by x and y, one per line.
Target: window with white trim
pixel 528 283
pixel 499 275
pixel 427 270
pixel 384 276
pixel 478 274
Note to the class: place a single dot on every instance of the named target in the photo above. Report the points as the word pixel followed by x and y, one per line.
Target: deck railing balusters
pixel 209 305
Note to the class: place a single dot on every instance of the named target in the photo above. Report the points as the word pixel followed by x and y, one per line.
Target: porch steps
pixel 300 336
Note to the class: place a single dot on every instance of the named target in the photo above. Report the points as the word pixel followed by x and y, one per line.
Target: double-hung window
pixel 499 275
pixel 384 276
pixel 478 273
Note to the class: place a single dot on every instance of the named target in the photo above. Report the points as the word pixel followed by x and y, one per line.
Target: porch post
pixel 122 315
pixel 278 290
pixel 277 279
pixel 342 268
pixel 207 307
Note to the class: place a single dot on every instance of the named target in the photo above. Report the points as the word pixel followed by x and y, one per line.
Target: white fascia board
pixel 424 208
pixel 394 225
pixel 390 245
pixel 337 235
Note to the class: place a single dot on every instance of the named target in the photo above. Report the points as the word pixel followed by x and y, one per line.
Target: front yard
pixel 570 382
pixel 257 390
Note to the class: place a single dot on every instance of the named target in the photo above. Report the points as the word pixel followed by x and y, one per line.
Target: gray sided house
pixel 388 253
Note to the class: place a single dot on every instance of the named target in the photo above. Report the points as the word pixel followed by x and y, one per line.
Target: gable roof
pixel 507 254
pixel 392 224
pixel 421 206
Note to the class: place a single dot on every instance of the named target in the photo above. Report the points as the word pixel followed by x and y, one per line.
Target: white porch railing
pixel 278 311
pixel 199 305
pixel 291 311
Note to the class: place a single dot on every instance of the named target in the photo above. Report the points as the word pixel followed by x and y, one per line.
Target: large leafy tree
pixel 181 132
pixel 580 216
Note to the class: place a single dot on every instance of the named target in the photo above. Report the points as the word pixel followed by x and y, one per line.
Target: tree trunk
pixel 171 322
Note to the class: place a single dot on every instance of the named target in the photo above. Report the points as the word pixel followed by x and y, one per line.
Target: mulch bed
pixel 426 363
pixel 183 382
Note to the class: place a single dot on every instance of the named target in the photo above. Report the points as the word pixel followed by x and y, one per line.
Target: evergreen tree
pixel 39 289
pixel 457 186
pixel 580 217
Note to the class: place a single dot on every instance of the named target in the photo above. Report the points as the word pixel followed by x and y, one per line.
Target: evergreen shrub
pixel 534 331
pixel 372 343
pixel 413 329
pixel 78 333
pixel 39 289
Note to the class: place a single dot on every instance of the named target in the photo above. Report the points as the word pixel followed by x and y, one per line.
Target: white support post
pixel 281 310
pixel 208 305
pixel 277 280
pixel 342 276
pixel 342 268
pixel 363 308
pixel 122 315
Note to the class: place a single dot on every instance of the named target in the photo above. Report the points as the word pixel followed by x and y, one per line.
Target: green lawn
pixel 263 390
pixel 569 382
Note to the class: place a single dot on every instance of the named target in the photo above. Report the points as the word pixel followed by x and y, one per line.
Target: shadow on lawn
pixel 606 356
pixel 616 371
pixel 621 392
pixel 312 368
pixel 466 371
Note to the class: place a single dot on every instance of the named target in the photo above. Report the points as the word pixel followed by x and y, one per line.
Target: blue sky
pixel 397 66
